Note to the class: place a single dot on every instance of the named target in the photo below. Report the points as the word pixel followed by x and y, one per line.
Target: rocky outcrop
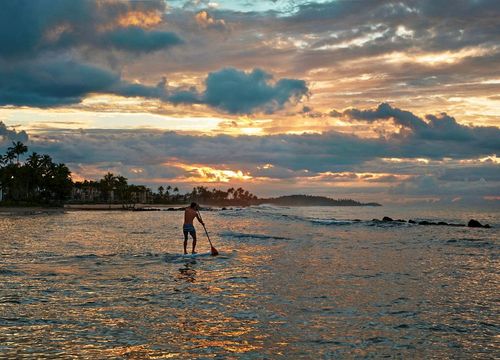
pixel 472 223
pixel 476 224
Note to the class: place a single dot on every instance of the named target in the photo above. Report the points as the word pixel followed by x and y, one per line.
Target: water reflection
pixel 187 272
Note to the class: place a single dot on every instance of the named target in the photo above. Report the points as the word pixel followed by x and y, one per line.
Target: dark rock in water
pixel 443 223
pixel 224 208
pixel 412 222
pixel 375 220
pixel 387 218
pixel 400 220
pixel 357 220
pixel 474 223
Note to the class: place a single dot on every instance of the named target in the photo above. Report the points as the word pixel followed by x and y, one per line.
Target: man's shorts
pixel 189 228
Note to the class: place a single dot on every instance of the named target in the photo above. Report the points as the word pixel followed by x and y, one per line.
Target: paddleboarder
pixel 190 214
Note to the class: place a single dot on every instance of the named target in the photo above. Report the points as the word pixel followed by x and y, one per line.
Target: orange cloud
pixel 205 20
pixel 147 19
pixel 204 173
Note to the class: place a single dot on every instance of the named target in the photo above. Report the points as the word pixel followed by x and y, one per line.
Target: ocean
pixel 296 283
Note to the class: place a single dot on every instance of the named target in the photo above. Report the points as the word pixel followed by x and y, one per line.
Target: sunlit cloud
pixel 206 174
pixel 440 58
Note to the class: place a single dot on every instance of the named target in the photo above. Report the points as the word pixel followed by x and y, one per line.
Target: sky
pixel 380 100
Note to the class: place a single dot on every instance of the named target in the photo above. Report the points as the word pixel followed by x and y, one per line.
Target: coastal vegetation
pixel 37 180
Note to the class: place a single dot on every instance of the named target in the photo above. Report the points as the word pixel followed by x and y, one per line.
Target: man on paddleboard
pixel 190 213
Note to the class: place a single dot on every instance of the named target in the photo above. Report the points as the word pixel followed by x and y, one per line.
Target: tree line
pixel 36 180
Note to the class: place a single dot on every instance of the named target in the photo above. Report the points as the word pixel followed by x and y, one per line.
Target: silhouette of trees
pixel 111 189
pixel 37 180
pixel 239 197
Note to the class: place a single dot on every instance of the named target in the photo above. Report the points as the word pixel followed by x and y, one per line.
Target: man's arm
pixel 199 219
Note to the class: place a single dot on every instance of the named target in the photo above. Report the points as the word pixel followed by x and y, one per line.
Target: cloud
pixel 206 21
pixel 135 39
pixel 7 135
pixel 52 83
pixel 437 136
pixel 238 92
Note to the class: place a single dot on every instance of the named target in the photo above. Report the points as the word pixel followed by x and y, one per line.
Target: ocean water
pixel 295 283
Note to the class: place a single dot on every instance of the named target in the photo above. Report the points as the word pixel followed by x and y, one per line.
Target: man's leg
pixel 185 241
pixel 193 234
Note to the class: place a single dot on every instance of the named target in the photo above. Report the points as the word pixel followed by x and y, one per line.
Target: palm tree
pixel 167 193
pixel 108 182
pixel 10 156
pixel 18 148
pixel 176 192
pixel 121 185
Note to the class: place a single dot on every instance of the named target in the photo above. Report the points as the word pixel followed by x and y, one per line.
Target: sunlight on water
pixel 300 283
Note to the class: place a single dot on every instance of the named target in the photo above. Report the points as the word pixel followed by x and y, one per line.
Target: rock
pixel 443 223
pixel 425 222
pixel 412 221
pixel 474 223
pixel 400 220
pixel 387 218
pixel 375 220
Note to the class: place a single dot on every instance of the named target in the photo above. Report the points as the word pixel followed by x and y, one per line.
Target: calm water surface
pixel 298 283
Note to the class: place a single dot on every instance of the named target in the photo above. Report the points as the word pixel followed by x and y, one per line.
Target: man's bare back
pixel 189 215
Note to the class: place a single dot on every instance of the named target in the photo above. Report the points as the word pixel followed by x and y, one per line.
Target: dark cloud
pixel 52 83
pixel 135 39
pixel 29 27
pixel 438 135
pixel 239 92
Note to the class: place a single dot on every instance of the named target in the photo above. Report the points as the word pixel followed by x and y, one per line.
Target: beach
pixel 289 282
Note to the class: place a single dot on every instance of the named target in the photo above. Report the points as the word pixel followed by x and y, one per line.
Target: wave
pixel 334 222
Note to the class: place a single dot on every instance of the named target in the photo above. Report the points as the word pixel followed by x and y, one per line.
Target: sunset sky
pixel 394 101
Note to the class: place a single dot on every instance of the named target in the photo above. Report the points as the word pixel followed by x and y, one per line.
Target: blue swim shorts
pixel 189 228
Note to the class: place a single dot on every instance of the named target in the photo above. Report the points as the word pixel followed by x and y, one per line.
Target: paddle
pixel 213 250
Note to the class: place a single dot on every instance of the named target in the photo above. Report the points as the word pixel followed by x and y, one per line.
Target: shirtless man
pixel 188 228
